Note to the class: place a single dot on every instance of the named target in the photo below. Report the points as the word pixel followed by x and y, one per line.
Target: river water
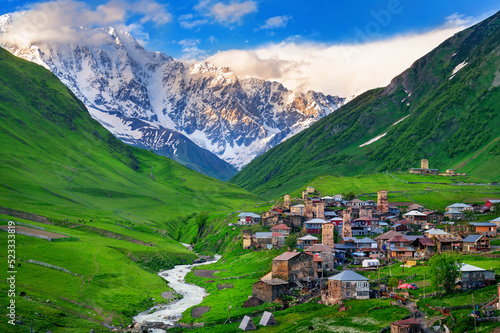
pixel 192 295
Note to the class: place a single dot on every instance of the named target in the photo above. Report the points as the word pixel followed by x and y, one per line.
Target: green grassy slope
pixel 120 205
pixel 449 121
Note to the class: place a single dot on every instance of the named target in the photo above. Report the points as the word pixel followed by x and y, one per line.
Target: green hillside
pixel 452 120
pixel 120 207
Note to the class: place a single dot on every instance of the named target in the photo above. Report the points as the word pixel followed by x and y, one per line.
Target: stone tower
pixel 424 164
pixel 382 202
pixel 346 229
pixel 320 210
pixel 308 214
pixel 327 234
pixel 305 195
pixel 288 201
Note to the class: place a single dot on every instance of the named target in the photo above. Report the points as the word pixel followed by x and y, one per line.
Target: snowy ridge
pixel 134 93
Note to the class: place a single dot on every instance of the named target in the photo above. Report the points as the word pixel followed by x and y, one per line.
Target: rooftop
pixel 316 221
pixel 472 238
pixel 459 205
pixel 281 227
pixel 250 214
pixel 483 224
pixel 435 232
pixel 286 256
pixel 470 268
pixel 348 276
pixel 414 213
pixel 409 321
pixel 308 237
pixel 319 248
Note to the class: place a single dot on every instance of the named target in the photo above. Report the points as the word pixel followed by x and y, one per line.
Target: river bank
pixel 167 315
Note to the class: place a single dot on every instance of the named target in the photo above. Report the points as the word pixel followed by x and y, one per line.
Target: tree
pixel 444 270
pixel 201 220
pixel 393 282
pixel 291 241
pixel 349 196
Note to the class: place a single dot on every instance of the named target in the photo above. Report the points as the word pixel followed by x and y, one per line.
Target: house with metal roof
pixel 484 228
pixel 314 226
pixel 345 285
pixel 473 277
pixel 416 217
pixel 476 243
pixel 461 207
pixel 307 241
pixel 248 218
pixel 453 214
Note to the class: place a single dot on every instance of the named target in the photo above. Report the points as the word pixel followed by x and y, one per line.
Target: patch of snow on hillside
pixel 457 69
pixel 400 120
pixel 373 140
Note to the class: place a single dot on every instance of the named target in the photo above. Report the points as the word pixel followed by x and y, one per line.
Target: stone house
pixel 298 209
pixel 307 241
pixel 474 277
pixel 399 248
pixel 282 229
pixel 454 215
pixel 418 207
pixel 272 217
pixel 325 252
pixel 476 243
pixel 293 266
pixel 410 325
pixel 267 289
pixel 382 239
pixel 448 243
pixel 345 285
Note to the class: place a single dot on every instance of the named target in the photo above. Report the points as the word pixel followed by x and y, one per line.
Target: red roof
pixel 281 227
pixel 277 234
pixel 399 239
pixel 317 258
pixel 404 222
pixel 367 219
pixel 426 241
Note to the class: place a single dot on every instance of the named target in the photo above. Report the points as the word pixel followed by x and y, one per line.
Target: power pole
pixel 474 312
pixel 424 285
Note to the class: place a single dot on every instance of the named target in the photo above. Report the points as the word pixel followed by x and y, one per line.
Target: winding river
pixel 192 295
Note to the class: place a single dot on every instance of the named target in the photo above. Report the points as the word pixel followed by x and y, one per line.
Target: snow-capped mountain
pixel 145 97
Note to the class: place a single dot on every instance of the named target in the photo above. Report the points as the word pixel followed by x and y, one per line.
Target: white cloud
pixel 227 13
pixel 458 20
pixel 276 22
pixel 60 21
pixel 343 70
pixel 191 50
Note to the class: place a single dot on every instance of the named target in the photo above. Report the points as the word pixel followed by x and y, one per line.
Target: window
pixel 360 284
pixel 348 284
pixel 348 294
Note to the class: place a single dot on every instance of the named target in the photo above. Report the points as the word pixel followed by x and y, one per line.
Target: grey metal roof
pixel 472 238
pixel 470 268
pixel 263 234
pixel 365 240
pixel 483 224
pixel 348 276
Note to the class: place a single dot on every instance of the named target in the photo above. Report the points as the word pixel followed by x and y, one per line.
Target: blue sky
pixel 254 32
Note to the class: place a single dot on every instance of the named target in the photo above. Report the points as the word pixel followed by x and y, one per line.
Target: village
pixel 332 241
